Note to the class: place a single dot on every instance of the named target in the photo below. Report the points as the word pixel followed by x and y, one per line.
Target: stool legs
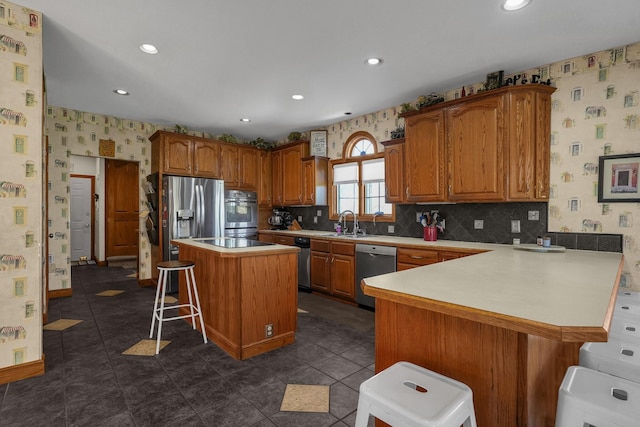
pixel 159 304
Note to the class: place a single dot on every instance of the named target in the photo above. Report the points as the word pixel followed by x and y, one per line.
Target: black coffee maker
pixel 280 220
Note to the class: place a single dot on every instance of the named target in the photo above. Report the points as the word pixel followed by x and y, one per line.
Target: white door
pixel 80 221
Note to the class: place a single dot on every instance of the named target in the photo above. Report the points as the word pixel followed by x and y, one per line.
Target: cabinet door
pixel 276 178
pixel 308 182
pixel 206 159
pixel 177 156
pixel 248 165
pixel 424 155
pixel 320 271
pixel 542 146
pixel 475 146
pixel 343 276
pixel 229 159
pixel 264 179
pixel 292 183
pixel 394 172
pixel 521 145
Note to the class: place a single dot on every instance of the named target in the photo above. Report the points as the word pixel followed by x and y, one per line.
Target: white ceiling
pixel 222 60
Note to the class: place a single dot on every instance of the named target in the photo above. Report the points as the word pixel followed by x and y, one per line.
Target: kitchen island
pixel 248 295
pixel 506 322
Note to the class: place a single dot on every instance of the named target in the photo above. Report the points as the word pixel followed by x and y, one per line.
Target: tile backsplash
pixel 459 224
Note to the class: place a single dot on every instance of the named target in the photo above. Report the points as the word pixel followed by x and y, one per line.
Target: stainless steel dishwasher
pixel 372 260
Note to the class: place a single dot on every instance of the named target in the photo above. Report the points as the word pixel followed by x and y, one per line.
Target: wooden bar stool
pixel 166 268
pixel 409 395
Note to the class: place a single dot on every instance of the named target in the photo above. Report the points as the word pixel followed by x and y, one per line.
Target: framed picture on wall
pixel 618 178
pixel 318 142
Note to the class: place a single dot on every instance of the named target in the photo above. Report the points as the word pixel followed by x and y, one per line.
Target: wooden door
pixel 424 154
pixel 276 178
pixel 229 159
pixel 177 155
pixel 292 184
pixel 121 206
pixel 248 165
pixel 264 180
pixel 475 144
pixel 394 171
pixel 206 159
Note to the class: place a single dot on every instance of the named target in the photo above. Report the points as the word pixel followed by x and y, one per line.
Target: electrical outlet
pixel 391 229
pixel 515 225
pixel 478 224
pixel 315 219
pixel 318 212
pixel 299 218
pixel 418 215
pixel 534 215
pixel 268 330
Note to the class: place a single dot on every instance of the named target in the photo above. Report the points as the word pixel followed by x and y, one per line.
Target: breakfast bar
pixel 508 323
pixel 248 292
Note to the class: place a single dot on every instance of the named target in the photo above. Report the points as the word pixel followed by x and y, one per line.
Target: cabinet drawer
pixel 339 248
pixel 447 255
pixel 320 245
pixel 416 256
pixel 283 240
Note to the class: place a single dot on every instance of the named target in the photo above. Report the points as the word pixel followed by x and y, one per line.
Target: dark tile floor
pixel 89 382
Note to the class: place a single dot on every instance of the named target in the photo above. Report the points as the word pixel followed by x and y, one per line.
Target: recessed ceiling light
pixel 148 48
pixel 121 92
pixel 297 97
pixel 373 61
pixel 245 120
pixel 511 5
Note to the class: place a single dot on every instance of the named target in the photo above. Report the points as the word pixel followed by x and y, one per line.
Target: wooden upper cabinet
pixel 206 159
pixel 177 156
pixel 424 153
pixel 475 144
pixel 264 178
pixel 276 178
pixel 229 156
pixel 315 172
pixel 488 147
pixel 394 170
pixel 248 173
pixel 287 176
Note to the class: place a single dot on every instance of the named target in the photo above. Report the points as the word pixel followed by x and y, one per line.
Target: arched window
pixel 358 180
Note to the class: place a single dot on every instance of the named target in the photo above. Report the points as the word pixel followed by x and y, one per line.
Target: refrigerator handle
pixel 201 207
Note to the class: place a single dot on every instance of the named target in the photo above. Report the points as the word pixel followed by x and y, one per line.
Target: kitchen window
pixel 358 182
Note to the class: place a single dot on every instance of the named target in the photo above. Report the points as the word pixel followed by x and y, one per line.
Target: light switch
pixel 391 229
pixel 515 225
pixel 319 213
pixel 478 224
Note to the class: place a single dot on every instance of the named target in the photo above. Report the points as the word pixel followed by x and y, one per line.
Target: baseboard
pixel 147 283
pixel 22 371
pixel 60 293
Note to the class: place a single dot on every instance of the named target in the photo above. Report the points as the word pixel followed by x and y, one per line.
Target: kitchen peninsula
pixel 248 295
pixel 506 322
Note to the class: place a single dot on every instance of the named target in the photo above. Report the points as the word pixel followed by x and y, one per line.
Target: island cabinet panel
pixel 514 376
pixel 240 295
pixel 476 138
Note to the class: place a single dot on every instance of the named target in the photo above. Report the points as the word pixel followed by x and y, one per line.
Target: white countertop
pixel 236 251
pixel 557 292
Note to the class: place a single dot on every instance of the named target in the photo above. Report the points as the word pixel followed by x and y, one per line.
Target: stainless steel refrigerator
pixel 191 208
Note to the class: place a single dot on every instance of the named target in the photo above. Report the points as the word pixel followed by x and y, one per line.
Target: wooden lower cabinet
pixel 412 257
pixel 240 295
pixel 333 268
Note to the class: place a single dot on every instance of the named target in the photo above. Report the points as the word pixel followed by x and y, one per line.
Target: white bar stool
pixel 625 329
pixel 408 395
pixel 617 358
pixel 626 308
pixel 588 397
pixel 626 295
pixel 166 268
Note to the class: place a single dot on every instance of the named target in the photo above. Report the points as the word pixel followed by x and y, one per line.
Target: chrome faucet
pixel 343 218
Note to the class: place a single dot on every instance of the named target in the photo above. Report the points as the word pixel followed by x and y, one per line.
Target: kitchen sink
pixel 348 236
